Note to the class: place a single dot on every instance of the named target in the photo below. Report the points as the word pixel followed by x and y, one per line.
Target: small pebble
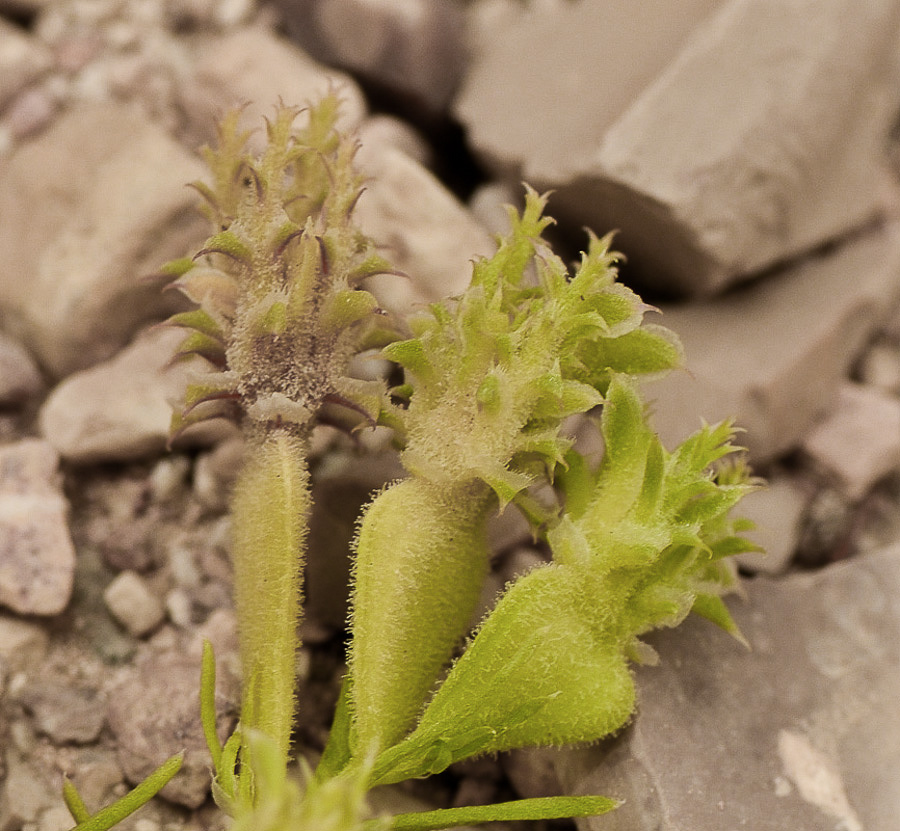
pixel 132 603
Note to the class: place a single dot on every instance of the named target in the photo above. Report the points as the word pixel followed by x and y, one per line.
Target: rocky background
pixel 745 150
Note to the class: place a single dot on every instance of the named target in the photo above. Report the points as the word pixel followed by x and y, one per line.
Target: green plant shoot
pixel 279 315
pixel 491 378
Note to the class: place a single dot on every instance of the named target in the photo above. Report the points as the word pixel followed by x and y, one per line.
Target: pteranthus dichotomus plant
pixel 491 379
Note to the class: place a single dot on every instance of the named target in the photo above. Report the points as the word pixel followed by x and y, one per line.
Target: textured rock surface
pixel 84 231
pixel 761 138
pixel 773 355
pixel 37 558
pixel 800 733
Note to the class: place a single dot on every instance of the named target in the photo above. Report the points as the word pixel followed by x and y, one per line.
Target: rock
pixel 773 355
pixel 779 510
pixel 858 443
pixel 133 604
pixel 708 180
pixel 525 112
pixel 20 378
pixel 880 366
pixel 153 714
pixel 65 713
pixel 260 71
pixel 532 771
pixel 22 644
pixel 424 231
pixel 85 229
pixel 23 59
pixel 380 130
pixel 95 772
pixel 414 48
pixel 30 112
pixel 798 733
pixel 120 410
pixel 24 794
pixel 37 558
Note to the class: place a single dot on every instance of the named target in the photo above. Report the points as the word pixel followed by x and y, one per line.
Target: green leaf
pixel 713 608
pixel 137 797
pixel 541 671
pixel 74 802
pixel 337 751
pixel 550 807
pixel 208 704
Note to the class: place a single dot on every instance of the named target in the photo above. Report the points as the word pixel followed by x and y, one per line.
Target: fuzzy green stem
pixel 422 557
pixel 270 508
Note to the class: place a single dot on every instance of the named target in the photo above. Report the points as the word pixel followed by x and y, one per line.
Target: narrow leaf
pixel 550 807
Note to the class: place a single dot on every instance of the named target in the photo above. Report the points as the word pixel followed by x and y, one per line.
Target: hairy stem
pixel 270 506
pixel 422 557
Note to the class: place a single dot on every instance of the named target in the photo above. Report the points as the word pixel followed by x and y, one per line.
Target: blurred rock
pixel 380 130
pixel 24 794
pixel 413 48
pixel 778 509
pixel 773 355
pixel 64 712
pixel 423 230
pixel 261 69
pixel 133 604
pixel 532 771
pixel 23 59
pixel 880 366
pixel 37 558
pixel 22 644
pixel 153 713
pixel 120 410
pixel 20 378
pixel 85 229
pixel 719 147
pixel 858 443
pixel 799 733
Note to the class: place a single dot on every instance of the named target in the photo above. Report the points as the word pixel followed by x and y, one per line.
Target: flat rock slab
pixel 801 733
pixel 774 354
pixel 740 143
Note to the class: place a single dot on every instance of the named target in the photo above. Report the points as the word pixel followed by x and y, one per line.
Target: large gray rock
pixel 757 137
pixel 800 733
pixel 773 355
pixel 90 209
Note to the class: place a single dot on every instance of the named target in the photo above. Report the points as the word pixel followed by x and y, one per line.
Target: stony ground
pixel 742 147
